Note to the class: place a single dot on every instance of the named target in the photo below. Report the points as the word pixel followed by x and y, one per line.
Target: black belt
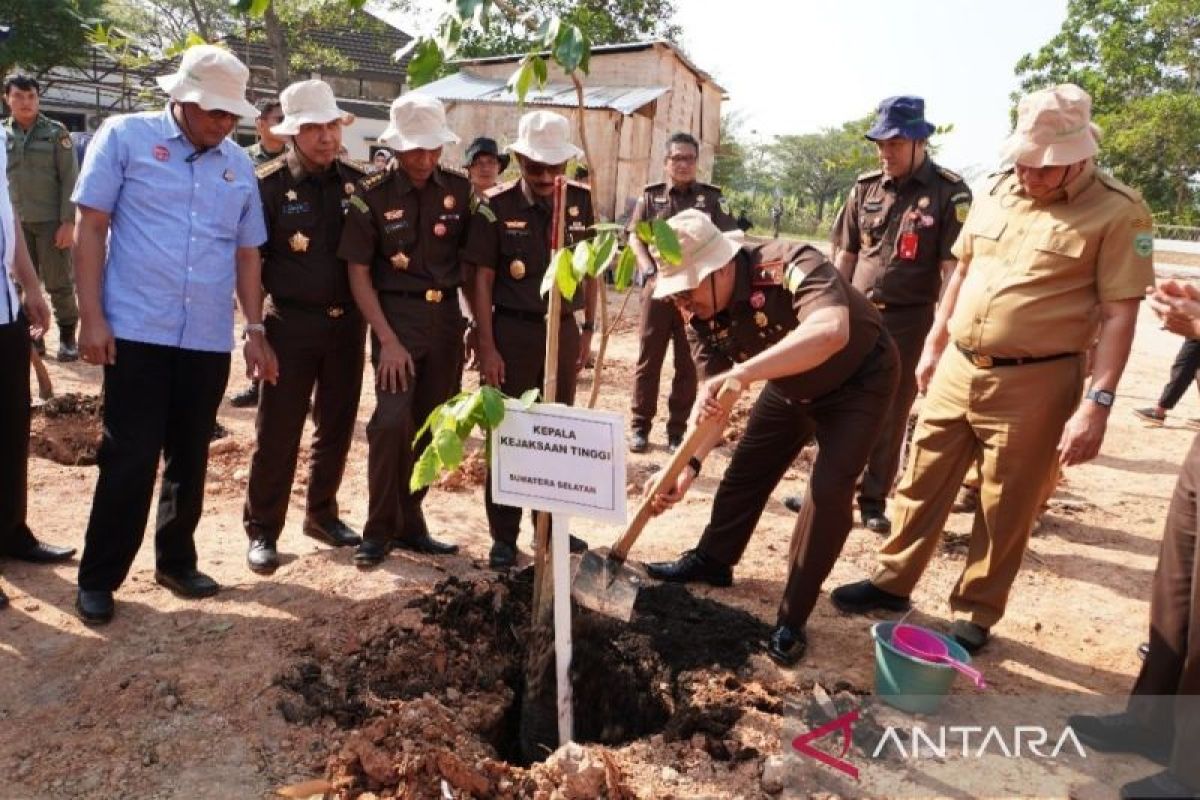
pixel 429 295
pixel 987 362
pixel 527 316
pixel 333 310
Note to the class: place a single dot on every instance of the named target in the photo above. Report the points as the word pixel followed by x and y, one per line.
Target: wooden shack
pixel 636 95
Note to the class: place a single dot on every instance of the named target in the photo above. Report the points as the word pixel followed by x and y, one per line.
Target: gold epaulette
pixel 268 168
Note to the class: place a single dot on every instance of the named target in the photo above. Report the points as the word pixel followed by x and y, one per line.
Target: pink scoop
pixel 924 645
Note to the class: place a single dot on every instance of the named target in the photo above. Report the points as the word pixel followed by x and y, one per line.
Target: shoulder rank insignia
pixel 65 141
pixel 866 176
pixel 484 209
pixel 268 168
pixel 768 273
pixel 795 274
pixel 948 174
pixel 374 179
pixel 356 166
pixel 359 204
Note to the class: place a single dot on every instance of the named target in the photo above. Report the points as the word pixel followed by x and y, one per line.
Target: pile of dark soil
pixel 67 429
pixel 672 670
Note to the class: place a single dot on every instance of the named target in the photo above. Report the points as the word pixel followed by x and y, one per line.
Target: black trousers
pixel 1183 374
pixel 845 423
pixel 14 435
pixel 662 327
pixel 158 401
pixel 312 348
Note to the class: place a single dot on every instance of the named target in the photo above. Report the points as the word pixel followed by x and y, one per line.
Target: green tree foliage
pixel 159 24
pixel 729 163
pixel 1140 61
pixel 602 21
pixel 45 33
pixel 820 167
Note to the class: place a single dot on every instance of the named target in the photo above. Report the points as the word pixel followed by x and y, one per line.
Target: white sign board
pixel 560 459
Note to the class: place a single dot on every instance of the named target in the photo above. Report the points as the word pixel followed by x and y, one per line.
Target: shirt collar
pixel 690 188
pixel 923 174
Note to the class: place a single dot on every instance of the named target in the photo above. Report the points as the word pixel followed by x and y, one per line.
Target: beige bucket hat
pixel 545 137
pixel 418 122
pixel 1054 129
pixel 308 102
pixel 705 250
pixel 212 78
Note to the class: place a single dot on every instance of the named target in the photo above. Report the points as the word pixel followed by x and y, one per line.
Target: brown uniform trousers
pixel 1166 695
pixel 313 348
pixel 845 423
pixel 432 333
pixel 1009 419
pixel 661 327
pixel 521 341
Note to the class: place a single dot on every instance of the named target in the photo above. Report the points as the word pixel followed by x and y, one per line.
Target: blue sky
pixel 796 66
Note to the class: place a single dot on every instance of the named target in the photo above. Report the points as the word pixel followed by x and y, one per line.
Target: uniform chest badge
pixel 65 142
pixel 298 242
pixel 291 196
pixel 394 214
pixel 228 176
pixel 399 260
pixel 573 211
pixel 758 300
pixel 700 201
pixel 448 202
pixel 515 224
pixel 517 269
pixel 661 199
pixel 760 319
pixel 348 188
pixel 923 203
pixel 161 153
pixel 439 229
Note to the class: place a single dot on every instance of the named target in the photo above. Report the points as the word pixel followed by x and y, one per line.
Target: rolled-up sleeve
pixel 103 173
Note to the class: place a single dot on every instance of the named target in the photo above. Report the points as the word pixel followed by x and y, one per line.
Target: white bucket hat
pixel 213 79
pixel 1054 129
pixel 308 102
pixel 418 122
pixel 545 137
pixel 705 250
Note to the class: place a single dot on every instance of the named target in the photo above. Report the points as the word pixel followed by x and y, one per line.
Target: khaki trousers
pixel 1009 420
pixel 54 268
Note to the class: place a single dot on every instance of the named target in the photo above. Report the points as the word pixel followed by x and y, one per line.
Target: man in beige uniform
pixel 1053 247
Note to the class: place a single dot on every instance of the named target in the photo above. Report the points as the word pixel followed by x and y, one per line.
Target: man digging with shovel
pixel 777 312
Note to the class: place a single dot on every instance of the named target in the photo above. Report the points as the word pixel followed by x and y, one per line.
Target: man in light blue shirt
pixel 169 224
pixel 17 321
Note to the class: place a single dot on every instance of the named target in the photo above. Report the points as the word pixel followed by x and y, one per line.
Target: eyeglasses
pixel 538 168
pixel 272 120
pixel 681 159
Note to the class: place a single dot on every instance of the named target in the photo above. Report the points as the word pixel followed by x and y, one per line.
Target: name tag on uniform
pixel 299 207
pixel 392 227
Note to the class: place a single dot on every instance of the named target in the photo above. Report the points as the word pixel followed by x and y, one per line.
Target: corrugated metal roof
pixel 463 87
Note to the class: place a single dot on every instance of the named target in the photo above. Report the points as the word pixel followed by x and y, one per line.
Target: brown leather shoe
pixel 335 533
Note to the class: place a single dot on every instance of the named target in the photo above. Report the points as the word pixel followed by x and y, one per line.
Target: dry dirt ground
pixel 382 686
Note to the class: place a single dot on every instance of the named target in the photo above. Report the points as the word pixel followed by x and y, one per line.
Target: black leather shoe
pixel 692 565
pixel 971 636
pixel 42 553
pixel 262 557
pixel 1143 650
pixel 94 607
pixel 786 646
pixel 673 443
pixel 370 553
pixel 335 533
pixel 246 398
pixel 638 443
pixel 793 503
pixel 190 583
pixel 864 596
pixel 1163 784
pixel 875 521
pixel 428 545
pixel 502 556
pixel 578 545
pixel 1120 733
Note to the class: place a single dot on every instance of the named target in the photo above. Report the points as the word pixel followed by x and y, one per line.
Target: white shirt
pixel 10 306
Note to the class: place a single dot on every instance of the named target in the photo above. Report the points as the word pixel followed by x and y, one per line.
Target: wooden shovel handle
pixel 45 387
pixel 728 395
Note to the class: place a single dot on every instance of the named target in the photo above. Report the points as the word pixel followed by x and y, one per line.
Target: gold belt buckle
pixel 335 311
pixel 981 361
pixel 433 295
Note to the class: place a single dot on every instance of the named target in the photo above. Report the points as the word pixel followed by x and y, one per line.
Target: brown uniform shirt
pixel 304 214
pixel 662 201
pixel 1037 271
pixel 510 233
pixel 932 204
pixel 778 286
pixel 410 237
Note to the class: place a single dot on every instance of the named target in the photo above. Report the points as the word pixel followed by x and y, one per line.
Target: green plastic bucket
pixel 908 683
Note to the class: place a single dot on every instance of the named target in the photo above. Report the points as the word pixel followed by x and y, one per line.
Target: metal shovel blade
pixel 606 585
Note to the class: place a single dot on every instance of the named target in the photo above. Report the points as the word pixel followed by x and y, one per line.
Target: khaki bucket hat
pixel 213 79
pixel 1054 129
pixel 705 250
pixel 545 137
pixel 418 122
pixel 306 103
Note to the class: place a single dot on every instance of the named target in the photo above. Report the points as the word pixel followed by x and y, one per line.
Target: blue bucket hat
pixel 901 117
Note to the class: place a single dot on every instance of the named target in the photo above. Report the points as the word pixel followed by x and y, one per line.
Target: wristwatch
pixel 1101 397
pixel 253 327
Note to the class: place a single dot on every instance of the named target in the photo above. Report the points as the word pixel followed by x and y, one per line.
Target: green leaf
pixel 539 71
pixel 645 232
pixel 425 62
pixel 492 402
pixel 431 422
pixel 240 6
pixel 529 397
pixel 470 9
pixel 449 35
pixel 601 227
pixel 549 32
pixel 425 471
pixel 603 248
pixel 564 273
pixel 581 260
pixel 568 48
pixel 586 59
pixel 259 7
pixel 449 448
pixel 626 269
pixel 667 242
pixel 469 406
pixel 519 81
